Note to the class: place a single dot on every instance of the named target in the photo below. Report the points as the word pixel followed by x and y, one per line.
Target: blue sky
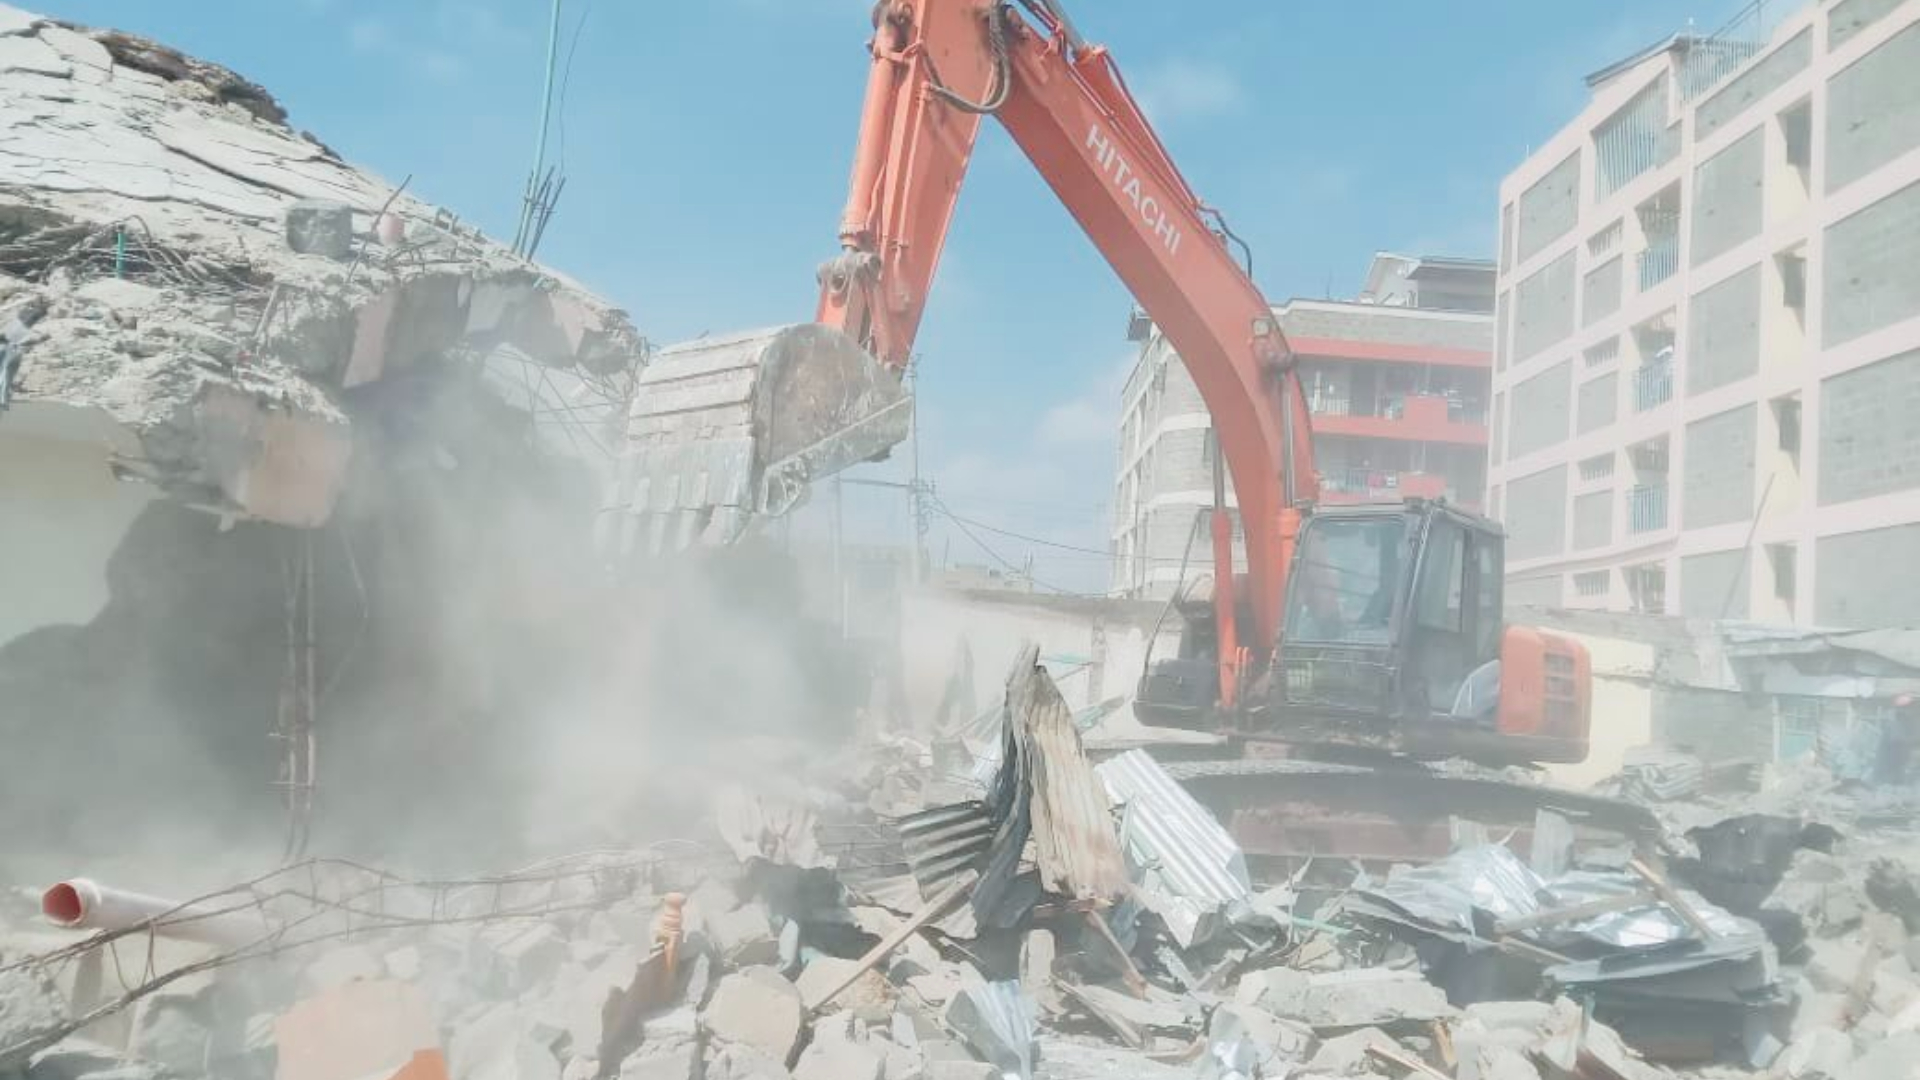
pixel 706 145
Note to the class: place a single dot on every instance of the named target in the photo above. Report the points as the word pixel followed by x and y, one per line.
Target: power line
pixel 1011 535
pixel 997 557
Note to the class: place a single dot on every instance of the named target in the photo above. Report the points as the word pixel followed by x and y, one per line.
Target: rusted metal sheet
pixel 1075 845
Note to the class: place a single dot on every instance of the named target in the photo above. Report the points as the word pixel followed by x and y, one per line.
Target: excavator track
pixel 1285 811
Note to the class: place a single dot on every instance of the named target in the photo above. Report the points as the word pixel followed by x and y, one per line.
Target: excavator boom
pixel 939 67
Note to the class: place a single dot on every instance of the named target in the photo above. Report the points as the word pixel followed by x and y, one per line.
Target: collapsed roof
pixel 196 287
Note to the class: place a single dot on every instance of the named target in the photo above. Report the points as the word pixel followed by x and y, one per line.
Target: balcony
pixel 1660 261
pixel 1432 418
pixel 1374 485
pixel 1653 385
pixel 1647 508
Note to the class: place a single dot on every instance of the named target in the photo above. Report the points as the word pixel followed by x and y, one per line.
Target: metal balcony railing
pixel 1647 508
pixel 1660 261
pixel 1653 385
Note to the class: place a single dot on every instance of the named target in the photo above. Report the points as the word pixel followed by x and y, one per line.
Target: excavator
pixel 1360 644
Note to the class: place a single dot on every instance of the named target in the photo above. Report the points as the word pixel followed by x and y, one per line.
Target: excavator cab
pixel 1393 641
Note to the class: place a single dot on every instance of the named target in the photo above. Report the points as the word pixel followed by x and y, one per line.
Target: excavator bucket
pixel 724 431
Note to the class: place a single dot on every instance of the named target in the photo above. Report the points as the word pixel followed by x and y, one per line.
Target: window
pixel 1782 558
pixel 1443 579
pixel 1647 588
pixel 1344 588
pixel 1786 417
pixel 1796 127
pixel 1597 468
pixel 1591 583
pixel 1793 280
pixel 1605 240
pixel 1486 586
pixel 1604 353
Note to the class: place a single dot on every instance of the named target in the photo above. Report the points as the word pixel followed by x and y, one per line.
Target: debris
pixel 756 826
pixel 839 1058
pixel 828 979
pixel 1345 999
pixel 997 1021
pixel 1037 953
pixel 927 913
pixel 362 1030
pixel 321 227
pixel 1183 864
pixel 1399 1059
pixel 1672 898
pixel 757 1008
pixel 1346 1055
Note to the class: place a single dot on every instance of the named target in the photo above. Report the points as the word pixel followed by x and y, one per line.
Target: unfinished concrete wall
pixel 1096 649
pixel 1756 82
pixel 1873 109
pixel 1728 200
pixel 1549 209
pixel 1593 520
pixel 1713 724
pixel 1537 516
pixel 1849 17
pixel 1543 308
pixel 1532 590
pixel 1541 407
pixel 1871 279
pixel 1723 332
pixel 1356 322
pixel 1717 484
pixel 1869 437
pixel 1866 579
pixel 1714 586
pixel 1600 291
pixel 1599 402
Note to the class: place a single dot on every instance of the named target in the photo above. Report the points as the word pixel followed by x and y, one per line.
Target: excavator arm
pixel 939 67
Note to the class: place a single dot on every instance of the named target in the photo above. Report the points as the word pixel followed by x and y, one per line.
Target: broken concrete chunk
pixel 1503 1063
pixel 961 1070
pixel 839 1059
pixel 674 1061
pixel 1346 1055
pixel 737 1062
pixel 870 997
pixel 73 1059
pixel 1822 1054
pixel 744 936
pixel 527 956
pixel 1345 999
pixel 30 1009
pixel 174 1031
pixel 320 227
pixel 757 1008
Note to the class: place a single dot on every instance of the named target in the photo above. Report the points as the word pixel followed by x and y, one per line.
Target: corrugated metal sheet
pixel 1183 861
pixel 1075 844
pixel 998 1020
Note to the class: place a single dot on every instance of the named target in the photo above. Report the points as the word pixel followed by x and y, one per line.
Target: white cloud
pixel 1180 89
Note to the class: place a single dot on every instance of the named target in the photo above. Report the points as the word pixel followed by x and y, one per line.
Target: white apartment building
pixel 1707 362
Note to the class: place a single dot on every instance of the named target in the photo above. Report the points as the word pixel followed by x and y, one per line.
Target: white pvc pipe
pixel 85 904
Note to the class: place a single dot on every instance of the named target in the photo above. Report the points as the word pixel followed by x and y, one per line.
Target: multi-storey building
pixel 1398 381
pixel 1707 373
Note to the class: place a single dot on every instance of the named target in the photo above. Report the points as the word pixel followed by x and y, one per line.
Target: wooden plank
pixel 1671 897
pixel 1128 972
pixel 1573 913
pixel 932 910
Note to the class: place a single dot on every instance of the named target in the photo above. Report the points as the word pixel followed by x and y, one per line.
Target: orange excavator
pixel 1373 628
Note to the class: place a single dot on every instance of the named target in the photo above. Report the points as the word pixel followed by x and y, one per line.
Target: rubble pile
pixel 1057 918
pixel 190 280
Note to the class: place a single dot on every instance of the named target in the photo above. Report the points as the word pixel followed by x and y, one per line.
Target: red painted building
pixel 1399 381
pixel 1399 385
